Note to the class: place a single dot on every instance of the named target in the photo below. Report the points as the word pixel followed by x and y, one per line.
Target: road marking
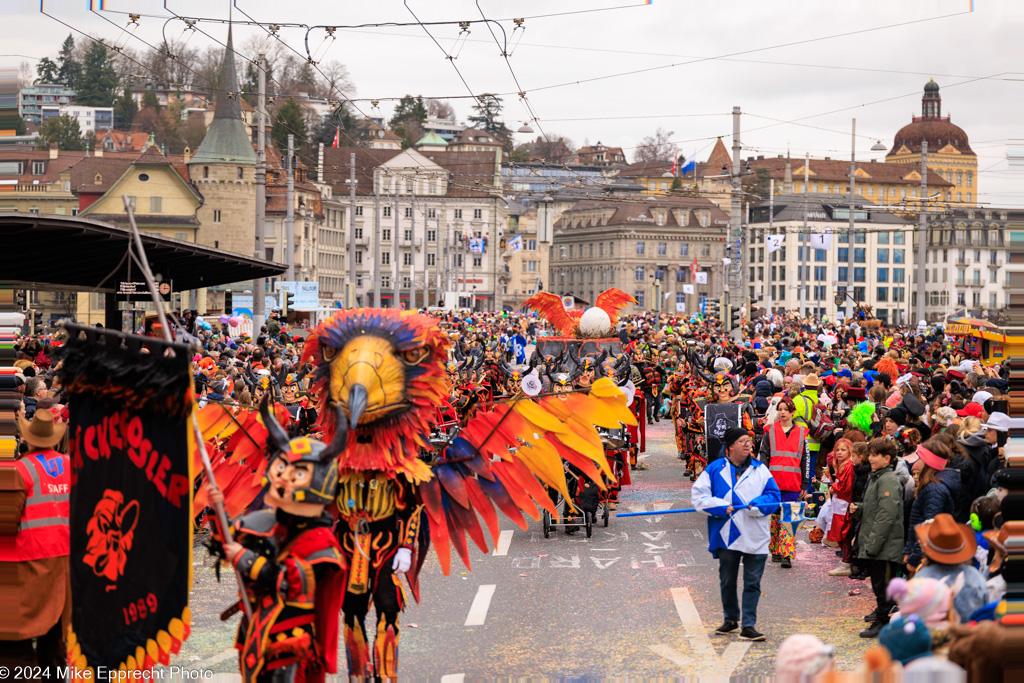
pixel 504 541
pixel 709 664
pixel 216 659
pixel 481 603
pixel 453 678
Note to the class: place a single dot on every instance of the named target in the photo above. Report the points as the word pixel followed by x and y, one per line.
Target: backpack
pixel 819 424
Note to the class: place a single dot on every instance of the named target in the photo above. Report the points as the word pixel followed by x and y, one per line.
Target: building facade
pixel 90 119
pixel 439 219
pixel 599 155
pixel 32 99
pixel 949 151
pixel 525 254
pixel 809 271
pixel 967 264
pixel 645 247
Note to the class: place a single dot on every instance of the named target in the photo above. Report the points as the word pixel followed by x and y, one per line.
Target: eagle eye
pixel 414 356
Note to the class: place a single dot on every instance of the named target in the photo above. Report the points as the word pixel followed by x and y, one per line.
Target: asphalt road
pixel 639 598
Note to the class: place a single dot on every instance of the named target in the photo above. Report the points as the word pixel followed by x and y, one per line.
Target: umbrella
pixel 975 322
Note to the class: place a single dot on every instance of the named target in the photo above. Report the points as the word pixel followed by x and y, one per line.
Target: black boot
pixel 874 629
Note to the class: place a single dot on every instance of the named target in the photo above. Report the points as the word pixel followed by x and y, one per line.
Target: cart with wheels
pixel 581 511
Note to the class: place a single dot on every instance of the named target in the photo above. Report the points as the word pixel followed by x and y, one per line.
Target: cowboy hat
pixel 42 431
pixel 946 542
pixel 811 381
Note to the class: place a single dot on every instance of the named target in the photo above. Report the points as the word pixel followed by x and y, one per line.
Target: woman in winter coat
pixel 938 489
pixel 979 456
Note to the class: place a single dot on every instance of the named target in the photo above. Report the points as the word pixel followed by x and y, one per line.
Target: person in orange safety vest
pixel 35 547
pixel 784 449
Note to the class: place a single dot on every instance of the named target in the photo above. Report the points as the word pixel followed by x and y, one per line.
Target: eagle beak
pixel 367 380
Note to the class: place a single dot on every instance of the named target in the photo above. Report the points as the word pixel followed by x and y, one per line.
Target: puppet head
pixel 381 373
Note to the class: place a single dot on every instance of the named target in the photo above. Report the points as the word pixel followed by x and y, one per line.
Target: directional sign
pixel 307 296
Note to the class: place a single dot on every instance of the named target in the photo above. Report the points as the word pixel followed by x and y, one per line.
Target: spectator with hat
pixel 739 494
pixel 948 549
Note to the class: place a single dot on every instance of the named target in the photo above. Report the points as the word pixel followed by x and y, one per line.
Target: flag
pixel 821 240
pixel 792 515
pixel 687 289
pixel 774 242
pixel 337 133
pixel 515 244
pixel 693 266
pixel 689 164
pixel 700 278
pixel 675 167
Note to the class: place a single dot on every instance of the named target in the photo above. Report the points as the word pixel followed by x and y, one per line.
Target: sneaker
pixel 787 563
pixel 830 544
pixel 751 633
pixel 688 473
pixel 859 575
pixel 726 628
pixel 842 570
pixel 776 558
pixel 874 629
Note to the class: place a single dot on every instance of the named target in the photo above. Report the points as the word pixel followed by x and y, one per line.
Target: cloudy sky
pixel 799 69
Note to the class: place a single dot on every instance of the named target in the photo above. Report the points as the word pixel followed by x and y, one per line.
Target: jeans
pixel 651 407
pixel 728 573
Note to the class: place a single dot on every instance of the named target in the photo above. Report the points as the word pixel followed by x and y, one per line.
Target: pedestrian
pixel 36 600
pixel 938 488
pixel 784 450
pixel 949 549
pixel 880 538
pixel 841 493
pixel 738 493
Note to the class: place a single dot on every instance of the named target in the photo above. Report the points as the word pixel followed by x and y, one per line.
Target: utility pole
pixel 412 249
pixel 771 231
pixel 350 295
pixel 850 303
pixel 259 285
pixel 426 271
pixel 922 221
pixel 802 285
pixel 289 216
pixel 396 299
pixel 376 238
pixel 438 255
pixel 736 216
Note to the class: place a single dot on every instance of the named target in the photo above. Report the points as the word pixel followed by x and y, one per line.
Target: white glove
pixel 754 512
pixel 402 561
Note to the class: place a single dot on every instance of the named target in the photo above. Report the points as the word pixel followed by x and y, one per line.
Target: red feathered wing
pixel 236 441
pixel 507 458
pixel 611 301
pixel 550 307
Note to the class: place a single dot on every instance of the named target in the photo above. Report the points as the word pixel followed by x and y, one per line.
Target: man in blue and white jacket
pixel 739 495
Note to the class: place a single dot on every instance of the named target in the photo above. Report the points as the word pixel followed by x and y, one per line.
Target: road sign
pixel 307 296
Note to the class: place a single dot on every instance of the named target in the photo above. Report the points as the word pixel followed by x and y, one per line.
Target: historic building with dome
pixel 949 152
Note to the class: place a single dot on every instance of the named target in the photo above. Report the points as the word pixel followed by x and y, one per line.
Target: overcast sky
pixel 875 75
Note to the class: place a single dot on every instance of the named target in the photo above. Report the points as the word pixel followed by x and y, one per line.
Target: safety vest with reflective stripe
pixel 43 531
pixel 785 456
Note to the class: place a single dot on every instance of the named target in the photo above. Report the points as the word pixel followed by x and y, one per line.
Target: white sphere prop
pixel 595 323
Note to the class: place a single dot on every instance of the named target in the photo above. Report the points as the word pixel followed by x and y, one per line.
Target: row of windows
pixel 992 237
pixel 961 256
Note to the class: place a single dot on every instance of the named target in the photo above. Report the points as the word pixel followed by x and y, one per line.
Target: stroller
pixel 584 507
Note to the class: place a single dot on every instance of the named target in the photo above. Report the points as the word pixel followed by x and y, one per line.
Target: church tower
pixel 223 169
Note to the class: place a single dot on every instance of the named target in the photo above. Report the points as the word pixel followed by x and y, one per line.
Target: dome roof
pixel 938 133
pixel 931 86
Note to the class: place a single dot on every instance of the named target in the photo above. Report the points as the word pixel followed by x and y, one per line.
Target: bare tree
pixel 657 147
pixel 337 83
pixel 441 109
pixel 555 148
pixel 26 75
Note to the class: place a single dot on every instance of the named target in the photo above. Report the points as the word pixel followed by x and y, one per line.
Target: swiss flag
pixel 693 266
pixel 335 143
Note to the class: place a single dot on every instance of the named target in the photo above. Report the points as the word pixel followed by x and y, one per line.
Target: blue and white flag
pixel 689 165
pixel 476 245
pixel 791 516
pixel 515 244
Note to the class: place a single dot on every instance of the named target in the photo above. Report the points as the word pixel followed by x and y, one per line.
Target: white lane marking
pixel 453 678
pixel 504 541
pixel 216 659
pixel 481 603
pixel 712 664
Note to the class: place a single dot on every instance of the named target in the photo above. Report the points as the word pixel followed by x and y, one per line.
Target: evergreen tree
pixel 98 84
pixel 47 71
pixel 125 109
pixel 62 130
pixel 69 69
pixel 408 119
pixel 353 131
pixel 487 116
pixel 251 85
pixel 288 119
pixel 150 101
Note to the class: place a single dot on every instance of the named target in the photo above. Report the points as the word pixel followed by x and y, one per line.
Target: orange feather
pixel 611 301
pixel 551 308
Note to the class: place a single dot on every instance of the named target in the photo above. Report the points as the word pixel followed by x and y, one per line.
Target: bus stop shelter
pixel 44 252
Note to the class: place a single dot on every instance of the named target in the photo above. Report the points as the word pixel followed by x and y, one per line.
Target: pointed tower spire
pixel 226 140
pixel 227 98
pixel 787 180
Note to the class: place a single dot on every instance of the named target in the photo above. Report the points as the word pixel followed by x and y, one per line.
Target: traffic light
pixel 37 322
pixel 733 318
pixel 711 308
pixel 20 300
pixel 287 301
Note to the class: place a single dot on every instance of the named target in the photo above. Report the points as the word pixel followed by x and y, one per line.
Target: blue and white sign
pixel 476 245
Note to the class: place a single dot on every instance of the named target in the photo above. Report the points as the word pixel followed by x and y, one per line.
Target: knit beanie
pixel 800 656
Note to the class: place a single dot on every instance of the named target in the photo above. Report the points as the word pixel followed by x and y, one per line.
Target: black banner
pixel 718 419
pixel 131 500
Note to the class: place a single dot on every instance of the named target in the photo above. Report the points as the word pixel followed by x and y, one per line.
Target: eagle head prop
pixel 380 373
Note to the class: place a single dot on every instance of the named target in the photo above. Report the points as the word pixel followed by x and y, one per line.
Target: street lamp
pixel 525 128
pixel 878 146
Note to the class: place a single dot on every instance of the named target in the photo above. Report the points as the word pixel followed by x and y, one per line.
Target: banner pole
pixel 222 517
